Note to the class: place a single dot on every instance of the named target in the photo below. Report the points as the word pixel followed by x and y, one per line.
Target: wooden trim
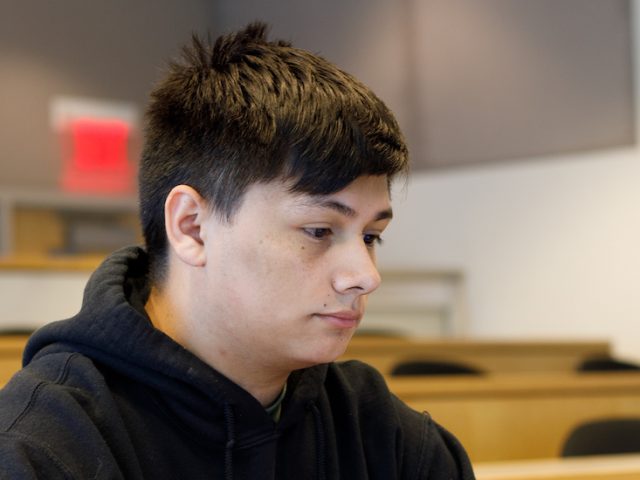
pixel 72 263
pixel 494 356
pixel 606 467
pixel 514 385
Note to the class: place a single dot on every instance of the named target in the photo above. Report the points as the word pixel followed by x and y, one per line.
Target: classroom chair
pixel 433 367
pixel 603 364
pixel 603 437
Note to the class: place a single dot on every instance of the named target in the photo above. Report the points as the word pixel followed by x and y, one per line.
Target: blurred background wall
pixel 548 243
pixel 105 50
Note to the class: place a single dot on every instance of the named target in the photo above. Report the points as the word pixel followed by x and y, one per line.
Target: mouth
pixel 343 319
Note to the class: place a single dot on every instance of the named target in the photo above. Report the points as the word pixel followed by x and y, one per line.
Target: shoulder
pixel 24 457
pixel 360 388
pixel 356 376
pixel 431 451
pixel 424 448
pixel 51 414
pixel 45 382
pixel 54 374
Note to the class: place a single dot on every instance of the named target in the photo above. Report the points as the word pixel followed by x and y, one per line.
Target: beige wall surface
pixel 110 51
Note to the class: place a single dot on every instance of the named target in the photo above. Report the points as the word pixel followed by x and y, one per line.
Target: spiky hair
pixel 242 110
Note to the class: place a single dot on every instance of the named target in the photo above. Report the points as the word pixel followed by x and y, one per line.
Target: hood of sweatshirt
pixel 114 331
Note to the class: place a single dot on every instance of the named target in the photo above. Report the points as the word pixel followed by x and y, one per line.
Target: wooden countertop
pixel 606 467
pixel 73 263
pixel 513 385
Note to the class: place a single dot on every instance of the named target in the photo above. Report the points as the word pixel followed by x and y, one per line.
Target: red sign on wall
pixel 95 136
pixel 96 156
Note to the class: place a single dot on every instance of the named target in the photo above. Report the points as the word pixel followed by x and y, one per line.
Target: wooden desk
pixel 61 263
pixel 11 347
pixel 609 467
pixel 509 417
pixel 500 356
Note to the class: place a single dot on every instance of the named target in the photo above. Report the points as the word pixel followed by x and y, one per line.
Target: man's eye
pixel 318 233
pixel 371 239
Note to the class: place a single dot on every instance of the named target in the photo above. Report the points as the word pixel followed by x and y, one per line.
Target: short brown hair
pixel 243 110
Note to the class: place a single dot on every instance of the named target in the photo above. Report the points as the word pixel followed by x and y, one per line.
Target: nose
pixel 356 271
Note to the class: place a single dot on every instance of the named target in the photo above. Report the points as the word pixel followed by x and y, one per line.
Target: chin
pixel 327 352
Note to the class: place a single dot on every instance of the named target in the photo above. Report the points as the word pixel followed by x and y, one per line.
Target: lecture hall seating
pixel 491 356
pixel 610 467
pixel 519 416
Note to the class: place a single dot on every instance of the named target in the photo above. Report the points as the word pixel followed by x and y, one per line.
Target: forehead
pixel 363 195
pixel 367 195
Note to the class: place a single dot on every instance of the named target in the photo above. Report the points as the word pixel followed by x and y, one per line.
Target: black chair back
pixel 606 364
pixel 433 367
pixel 603 437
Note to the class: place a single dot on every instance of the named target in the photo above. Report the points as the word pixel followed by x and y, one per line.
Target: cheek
pixel 274 276
pixel 295 277
pixel 276 267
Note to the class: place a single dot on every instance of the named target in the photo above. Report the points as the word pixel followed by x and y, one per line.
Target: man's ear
pixel 184 214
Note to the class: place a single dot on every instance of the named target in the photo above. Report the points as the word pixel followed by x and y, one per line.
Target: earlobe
pixel 184 211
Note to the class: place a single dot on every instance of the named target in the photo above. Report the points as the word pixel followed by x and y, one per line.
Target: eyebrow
pixel 347 211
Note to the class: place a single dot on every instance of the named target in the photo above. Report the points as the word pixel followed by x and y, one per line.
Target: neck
pixel 262 382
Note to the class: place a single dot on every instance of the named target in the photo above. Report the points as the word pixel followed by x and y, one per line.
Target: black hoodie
pixel 104 395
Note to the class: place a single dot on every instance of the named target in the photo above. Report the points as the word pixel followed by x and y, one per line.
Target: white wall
pixel 550 247
pixel 32 298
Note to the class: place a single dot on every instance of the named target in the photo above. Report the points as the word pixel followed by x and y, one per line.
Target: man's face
pixel 286 282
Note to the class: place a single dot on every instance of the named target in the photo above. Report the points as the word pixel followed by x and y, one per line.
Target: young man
pixel 264 189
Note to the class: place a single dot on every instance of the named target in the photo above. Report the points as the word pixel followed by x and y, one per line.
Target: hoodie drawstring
pixel 320 442
pixel 228 451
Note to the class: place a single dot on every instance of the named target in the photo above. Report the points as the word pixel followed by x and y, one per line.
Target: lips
pixel 342 319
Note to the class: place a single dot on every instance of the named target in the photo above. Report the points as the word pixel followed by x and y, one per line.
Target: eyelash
pixel 370 239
